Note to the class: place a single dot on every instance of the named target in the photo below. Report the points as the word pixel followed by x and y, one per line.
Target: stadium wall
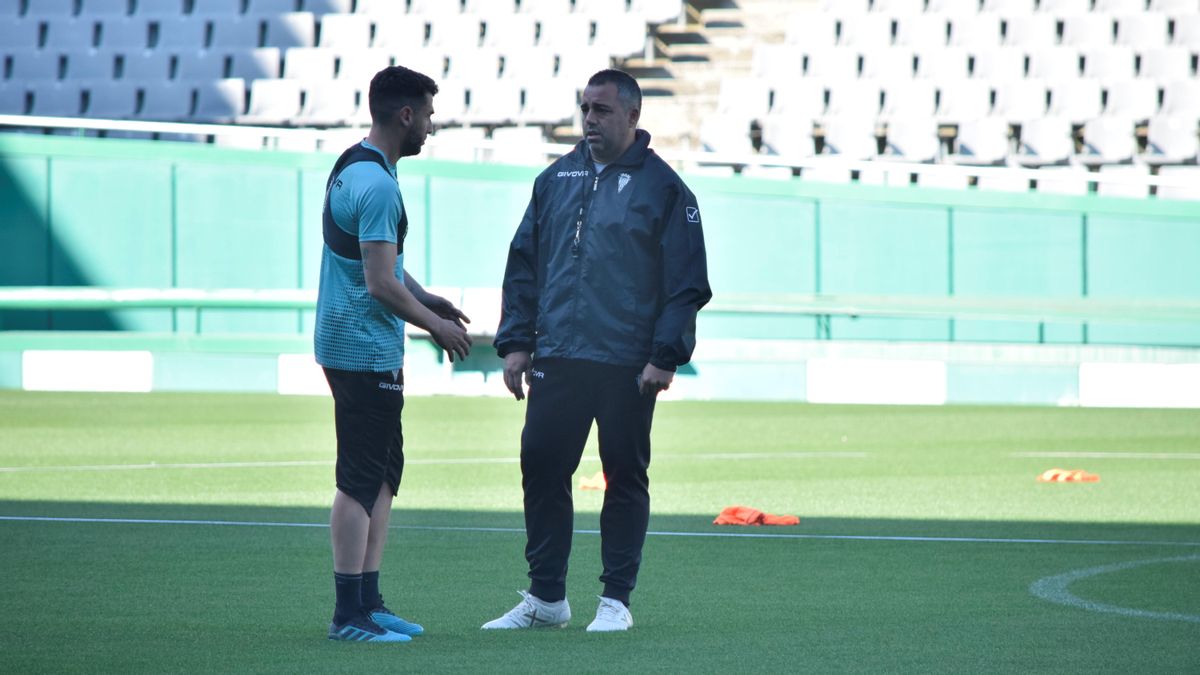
pixel 128 213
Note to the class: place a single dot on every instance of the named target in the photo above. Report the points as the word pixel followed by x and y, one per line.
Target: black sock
pixel 348 589
pixel 370 590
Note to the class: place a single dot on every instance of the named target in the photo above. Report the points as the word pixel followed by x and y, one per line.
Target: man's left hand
pixel 655 379
pixel 444 308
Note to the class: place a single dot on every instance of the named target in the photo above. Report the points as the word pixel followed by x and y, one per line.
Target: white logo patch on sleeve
pixel 693 214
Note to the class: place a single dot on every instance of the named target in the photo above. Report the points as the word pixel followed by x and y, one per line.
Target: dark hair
pixel 395 87
pixel 628 90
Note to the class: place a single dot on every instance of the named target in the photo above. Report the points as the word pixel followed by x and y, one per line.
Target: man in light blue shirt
pixel 365 298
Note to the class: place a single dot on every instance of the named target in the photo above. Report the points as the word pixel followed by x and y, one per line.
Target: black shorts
pixel 370 437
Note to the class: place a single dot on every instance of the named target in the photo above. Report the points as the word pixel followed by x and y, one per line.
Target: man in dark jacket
pixel 604 279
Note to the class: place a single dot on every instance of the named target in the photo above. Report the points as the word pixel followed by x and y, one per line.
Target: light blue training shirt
pixel 354 331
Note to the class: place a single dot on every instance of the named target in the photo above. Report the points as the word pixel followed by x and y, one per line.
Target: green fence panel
pixel 25 240
pixel 1017 254
pixel 472 221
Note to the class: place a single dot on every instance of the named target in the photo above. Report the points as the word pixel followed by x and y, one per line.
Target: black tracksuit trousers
pixel 565 396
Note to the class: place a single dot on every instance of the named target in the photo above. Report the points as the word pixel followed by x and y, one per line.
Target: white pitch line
pixel 656 533
pixel 1055 589
pixel 1110 455
pixel 446 461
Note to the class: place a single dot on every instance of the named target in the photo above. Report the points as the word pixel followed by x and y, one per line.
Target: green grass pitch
pixel 922 533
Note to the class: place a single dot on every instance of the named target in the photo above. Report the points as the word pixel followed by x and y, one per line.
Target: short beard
pixel 411 144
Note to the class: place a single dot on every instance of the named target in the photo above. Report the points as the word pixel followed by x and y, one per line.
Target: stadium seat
pixel 657 11
pixel 545 7
pixel 1108 140
pixel 952 8
pixel 1033 31
pixel 598 8
pixel 889 64
pixel 726 133
pixel 492 102
pixel 34 65
pixel 1174 6
pixel 1142 31
pixel 254 64
pixel 323 7
pixel 1077 100
pixel 273 102
pixel 380 9
pixel 963 100
pixel 433 8
pixel 922 30
pixel 1188 175
pixel 345 31
pixel 855 98
pixel 1007 7
pixel 527 65
pixel 982 141
pixel 1181 97
pixel 1046 140
pixel 18 33
pixel 90 64
pixel 511 31
pixel 768 172
pixel 780 63
pixel 975 31
pixel 328 103
pixel 360 65
pixel 12 98
pixel 803 99
pixel 450 107
pixel 1020 101
pixel 69 33
pixel 111 100
pixel 426 61
pixel 788 135
pixel 744 96
pixel 943 65
pixel 867 30
pixel 160 9
pixel 998 64
pixel 1002 181
pixel 399 32
pixel 489 9
pixel 1063 180
pixel 236 33
pixel 145 66
pixel 564 32
pixel 309 63
pixel 518 145
pixel 200 65
pixel 845 8
pixel 293 29
pixel 477 65
pixel 550 102
pixel 832 64
pixel 850 137
pixel 1165 64
pixel 577 65
pixel 1170 140
pixel 1187 31
pixel 11 8
pixel 214 8
pixel 44 9
pixel 1064 8
pixel 454 32
pixel 124 33
pixel 103 8
pixel 621 35
pixel 1119 6
pixel 1120 187
pixel 898 8
pixel 165 101
pixel 942 178
pixel 1133 99
pixel 56 99
pixel 1110 64
pixel 1054 63
pixel 179 33
pixel 810 30
pixel 913 138
pixel 911 99
pixel 1084 31
pixel 460 144
pixel 267 7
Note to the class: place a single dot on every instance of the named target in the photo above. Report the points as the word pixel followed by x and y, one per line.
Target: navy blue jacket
pixel 606 267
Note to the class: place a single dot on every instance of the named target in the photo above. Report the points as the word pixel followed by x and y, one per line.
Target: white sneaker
pixel 533 612
pixel 610 615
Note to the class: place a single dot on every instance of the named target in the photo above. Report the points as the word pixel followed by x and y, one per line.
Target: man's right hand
pixel 516 367
pixel 452 337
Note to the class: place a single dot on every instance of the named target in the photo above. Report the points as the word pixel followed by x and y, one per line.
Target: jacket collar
pixel 635 155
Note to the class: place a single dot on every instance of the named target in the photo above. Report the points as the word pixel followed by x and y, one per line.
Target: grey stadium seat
pixel 166 101
pixel 273 102
pixel 145 66
pixel 328 103
pixel 309 63
pixel 70 33
pixel 111 100
pixel 91 64
pixel 35 65
pixel 345 31
pixel 181 33
pixel 216 8
pixel 56 99
pixel 18 33
pixel 50 8
pixel 577 65
pixel 236 33
pixel 360 65
pixel 744 96
pixel 104 8
pixel 294 29
pixel 267 7
pixel 125 33
pixel 220 101
pixel 12 98
pixel 200 65
pixel 322 7
pixel 160 9
pixel 253 64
